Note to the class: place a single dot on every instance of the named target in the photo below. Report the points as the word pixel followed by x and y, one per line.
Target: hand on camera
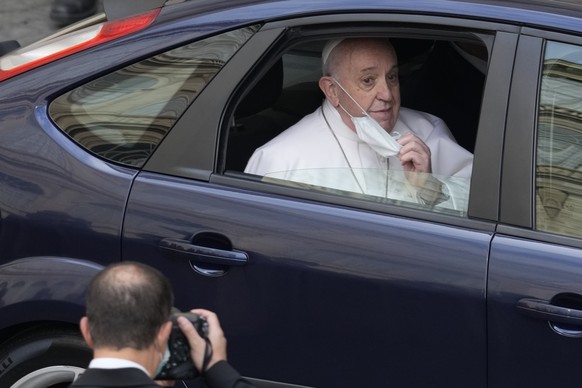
pixel 198 344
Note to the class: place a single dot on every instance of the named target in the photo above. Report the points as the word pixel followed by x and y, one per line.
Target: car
pixel 127 140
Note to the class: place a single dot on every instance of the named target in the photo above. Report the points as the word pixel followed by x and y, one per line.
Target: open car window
pixel 289 91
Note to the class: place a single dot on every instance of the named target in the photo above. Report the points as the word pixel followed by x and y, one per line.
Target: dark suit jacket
pixel 124 377
pixel 221 375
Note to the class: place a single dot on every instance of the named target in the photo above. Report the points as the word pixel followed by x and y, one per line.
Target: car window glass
pixel 559 142
pixel 122 116
pixel 293 93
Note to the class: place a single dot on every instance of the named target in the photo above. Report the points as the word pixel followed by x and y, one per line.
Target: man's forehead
pixel 366 62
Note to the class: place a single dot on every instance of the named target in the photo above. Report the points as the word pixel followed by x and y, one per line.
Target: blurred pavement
pixel 25 20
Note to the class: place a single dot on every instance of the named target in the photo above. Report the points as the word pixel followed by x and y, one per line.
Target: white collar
pixel 115 363
pixel 337 123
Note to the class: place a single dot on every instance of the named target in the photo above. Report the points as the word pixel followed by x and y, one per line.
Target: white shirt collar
pixel 337 123
pixel 115 363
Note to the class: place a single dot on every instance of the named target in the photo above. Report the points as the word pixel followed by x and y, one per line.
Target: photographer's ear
pixel 84 326
pixel 163 335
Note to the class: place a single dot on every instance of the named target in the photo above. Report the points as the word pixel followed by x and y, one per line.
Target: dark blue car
pixel 128 140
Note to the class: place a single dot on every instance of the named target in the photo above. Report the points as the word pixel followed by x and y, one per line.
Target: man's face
pixel 368 71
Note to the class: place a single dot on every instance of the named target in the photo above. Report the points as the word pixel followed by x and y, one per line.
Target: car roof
pixel 559 15
pixel 557 7
pixel 115 9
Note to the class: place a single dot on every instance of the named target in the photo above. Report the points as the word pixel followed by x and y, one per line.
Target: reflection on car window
pixel 559 143
pixel 390 186
pixel 123 115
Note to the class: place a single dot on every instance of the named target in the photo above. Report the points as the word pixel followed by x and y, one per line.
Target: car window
pixel 123 115
pixel 559 142
pixel 289 91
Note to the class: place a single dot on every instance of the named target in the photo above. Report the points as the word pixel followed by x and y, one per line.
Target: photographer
pixel 127 325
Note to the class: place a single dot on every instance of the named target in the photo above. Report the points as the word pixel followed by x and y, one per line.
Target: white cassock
pixel 333 156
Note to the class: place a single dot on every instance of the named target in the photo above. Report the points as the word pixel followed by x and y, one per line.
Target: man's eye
pixel 368 81
pixel 392 79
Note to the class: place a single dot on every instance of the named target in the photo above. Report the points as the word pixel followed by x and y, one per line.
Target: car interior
pixel 442 77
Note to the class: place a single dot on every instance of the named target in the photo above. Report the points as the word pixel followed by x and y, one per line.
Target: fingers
pixel 198 344
pixel 215 333
pixel 415 155
pixel 210 317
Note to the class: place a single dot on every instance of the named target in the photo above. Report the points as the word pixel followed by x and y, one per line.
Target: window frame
pixel 93 114
pixel 264 48
pixel 517 213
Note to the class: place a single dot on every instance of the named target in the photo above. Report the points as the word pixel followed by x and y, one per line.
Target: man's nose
pixel 384 91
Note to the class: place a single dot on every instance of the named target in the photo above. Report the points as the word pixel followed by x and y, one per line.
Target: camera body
pixel 180 365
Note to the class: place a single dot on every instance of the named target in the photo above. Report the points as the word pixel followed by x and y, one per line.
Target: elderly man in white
pixel 361 140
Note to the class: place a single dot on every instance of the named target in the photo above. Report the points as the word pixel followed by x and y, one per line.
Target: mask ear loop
pixel 344 109
pixel 395 134
pixel 353 99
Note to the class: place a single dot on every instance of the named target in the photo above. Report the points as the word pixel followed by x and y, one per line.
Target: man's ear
pixel 84 326
pixel 328 87
pixel 163 335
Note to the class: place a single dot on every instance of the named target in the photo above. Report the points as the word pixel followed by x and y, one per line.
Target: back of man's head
pixel 127 303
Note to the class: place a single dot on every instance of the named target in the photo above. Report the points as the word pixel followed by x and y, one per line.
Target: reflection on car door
pixel 330 296
pixel 534 328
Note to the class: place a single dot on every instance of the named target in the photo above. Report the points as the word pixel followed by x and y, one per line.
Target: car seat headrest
pixel 264 93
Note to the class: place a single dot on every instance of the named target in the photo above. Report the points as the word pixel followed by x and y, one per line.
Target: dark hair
pixel 127 303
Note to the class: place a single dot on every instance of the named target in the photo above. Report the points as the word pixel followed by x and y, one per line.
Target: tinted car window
pixel 559 142
pixel 123 115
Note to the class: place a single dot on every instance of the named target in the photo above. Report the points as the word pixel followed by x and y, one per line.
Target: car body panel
pixel 530 266
pixel 523 350
pixel 61 207
pixel 298 283
pixel 186 150
pixel 485 193
pixel 312 289
pixel 44 288
pixel 520 135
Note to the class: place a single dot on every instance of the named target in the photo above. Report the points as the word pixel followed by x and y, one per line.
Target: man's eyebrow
pixel 375 68
pixel 368 69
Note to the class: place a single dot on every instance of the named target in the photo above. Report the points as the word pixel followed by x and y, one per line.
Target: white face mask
pixel 370 132
pixel 164 361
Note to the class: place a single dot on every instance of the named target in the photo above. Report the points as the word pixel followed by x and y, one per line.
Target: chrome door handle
pixel 201 254
pixel 544 310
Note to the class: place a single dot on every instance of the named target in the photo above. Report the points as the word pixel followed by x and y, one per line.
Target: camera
pixel 180 365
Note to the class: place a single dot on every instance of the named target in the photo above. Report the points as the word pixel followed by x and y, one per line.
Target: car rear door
pixel 313 289
pixel 535 281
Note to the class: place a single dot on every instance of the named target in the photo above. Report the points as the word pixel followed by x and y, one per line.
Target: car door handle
pixel 544 310
pixel 200 254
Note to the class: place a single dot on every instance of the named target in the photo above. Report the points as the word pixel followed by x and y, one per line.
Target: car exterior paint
pixel 336 291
